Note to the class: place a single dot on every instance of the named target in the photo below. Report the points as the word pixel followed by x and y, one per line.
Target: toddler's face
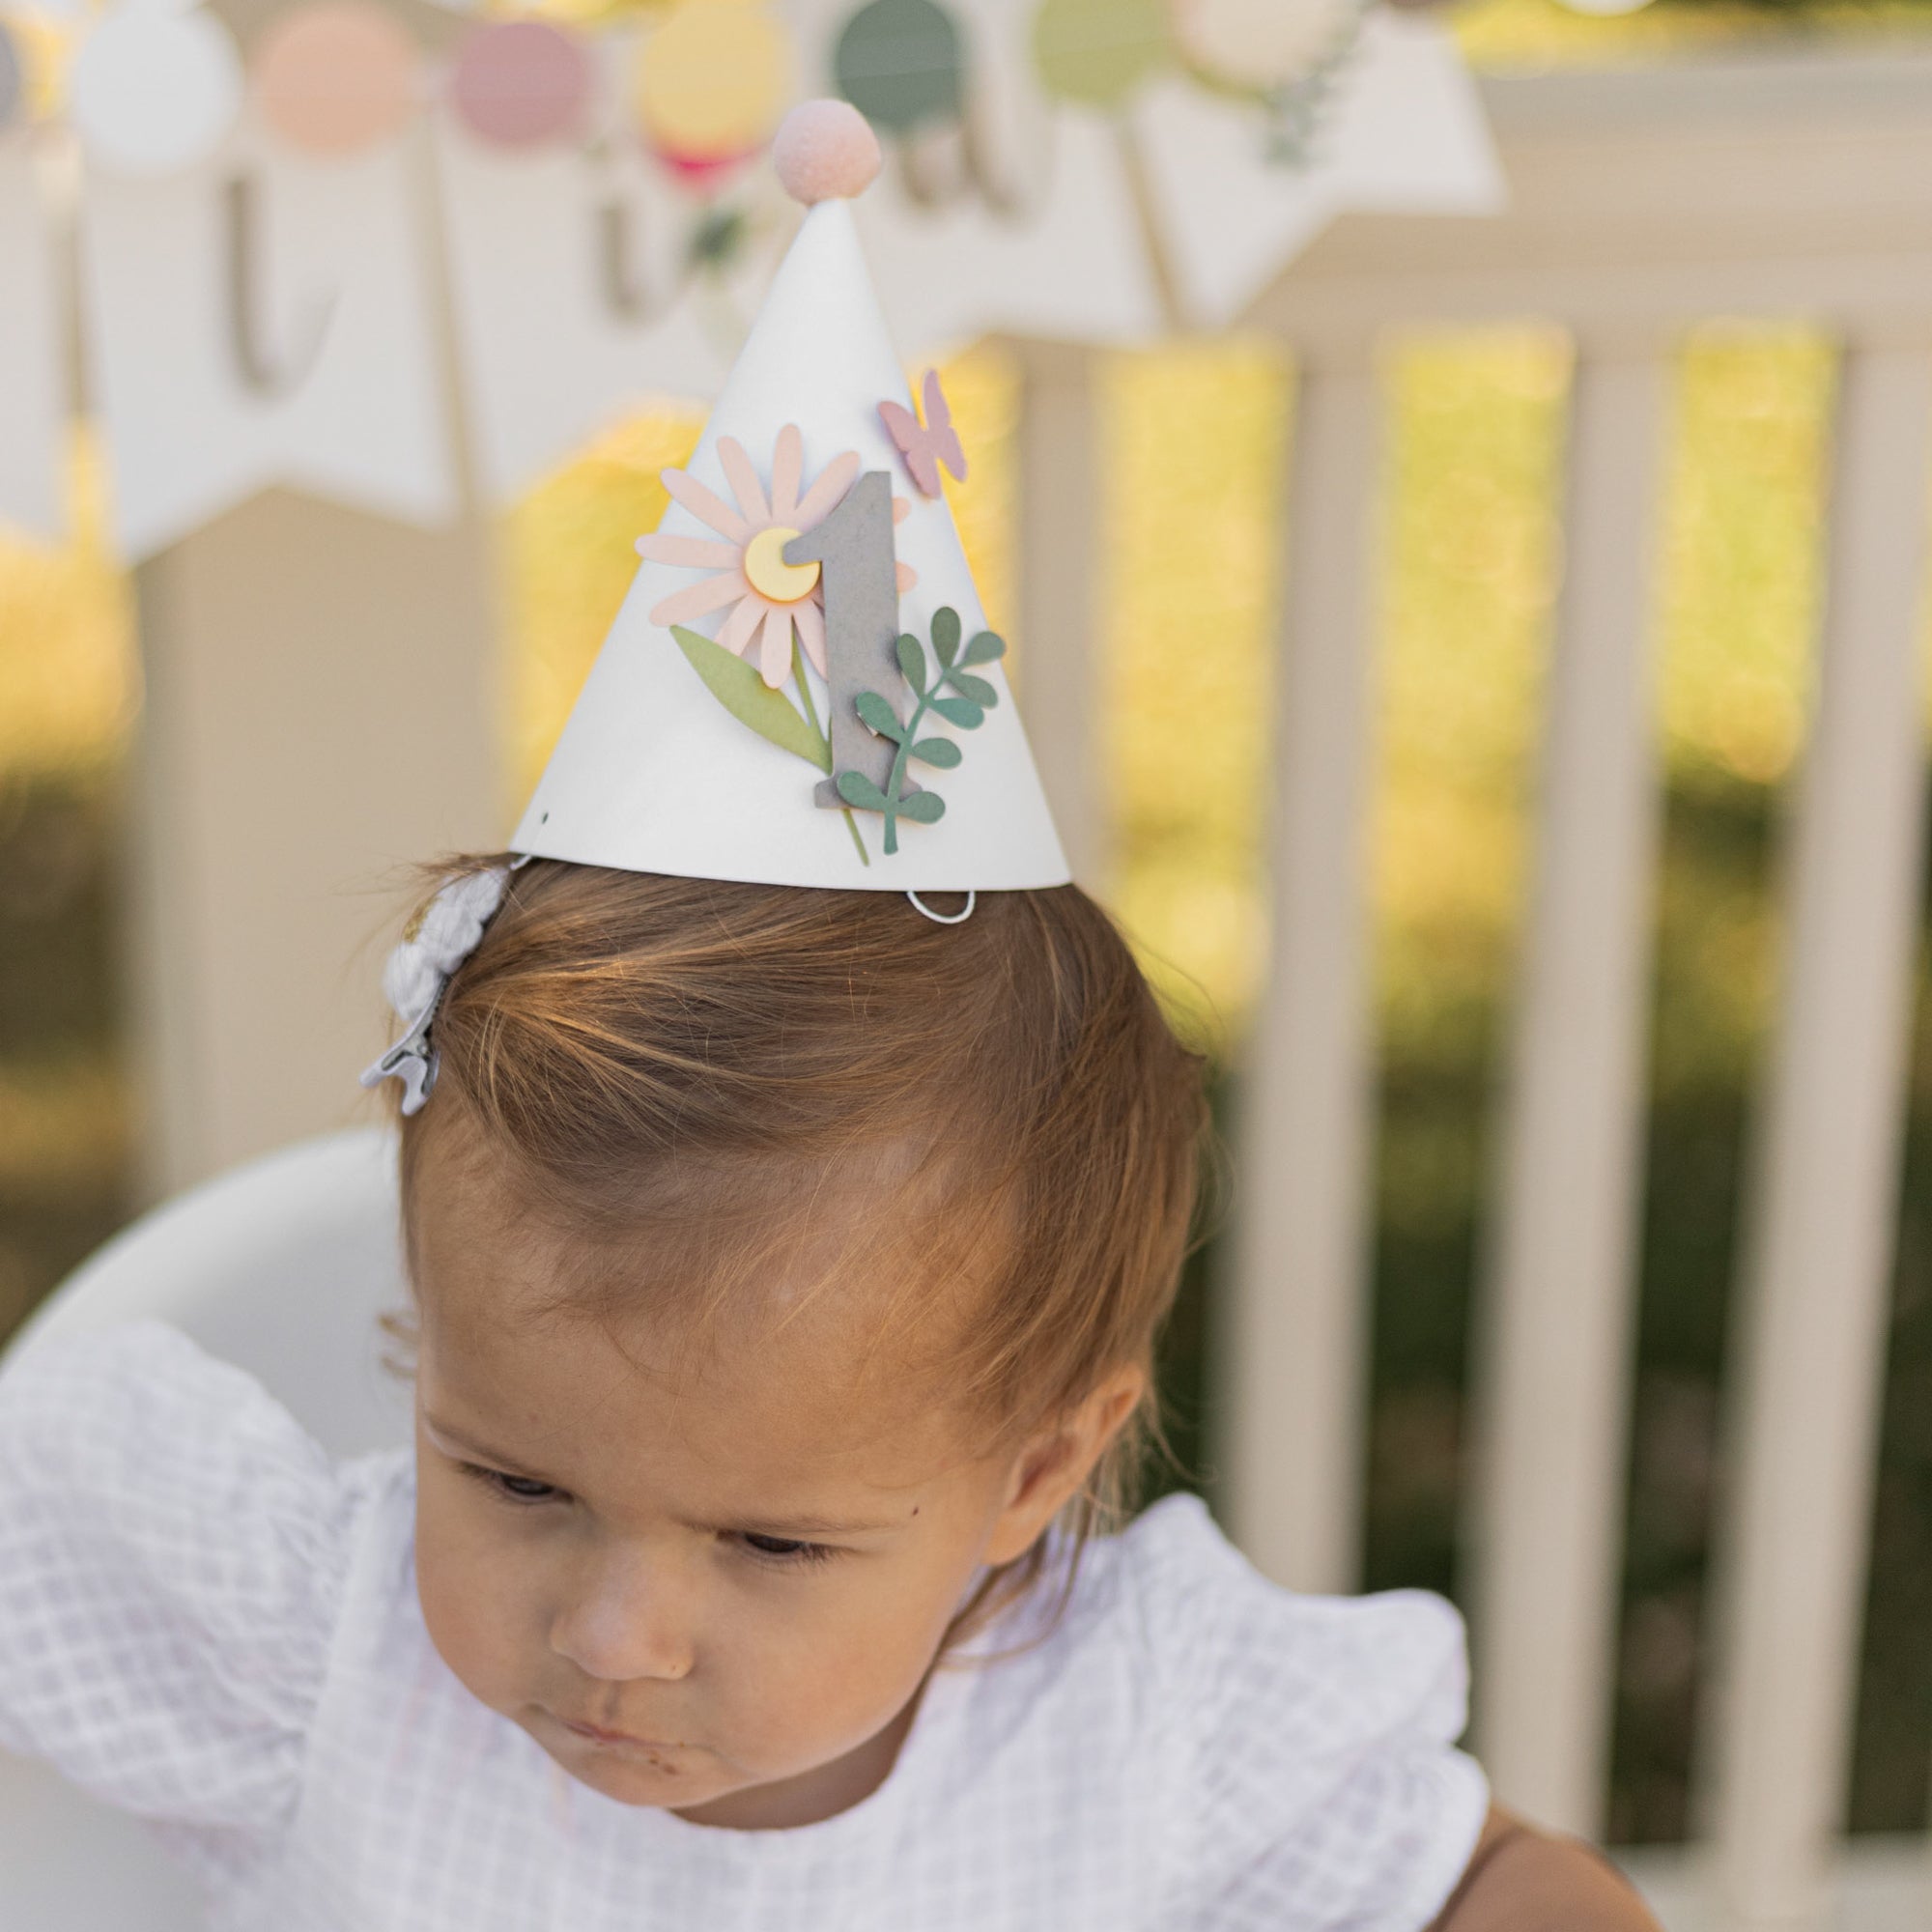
pixel 747 1575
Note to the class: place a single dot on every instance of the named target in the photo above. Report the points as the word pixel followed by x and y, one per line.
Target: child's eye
pixel 512 1488
pixel 783 1549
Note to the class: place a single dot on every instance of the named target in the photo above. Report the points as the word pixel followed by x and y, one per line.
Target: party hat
pixel 801 688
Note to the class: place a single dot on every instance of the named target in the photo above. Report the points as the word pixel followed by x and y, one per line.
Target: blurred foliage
pixel 1505 34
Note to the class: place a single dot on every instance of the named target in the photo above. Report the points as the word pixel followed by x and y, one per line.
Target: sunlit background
pixel 1192 459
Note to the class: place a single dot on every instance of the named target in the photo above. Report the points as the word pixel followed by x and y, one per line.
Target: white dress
pixel 206 1622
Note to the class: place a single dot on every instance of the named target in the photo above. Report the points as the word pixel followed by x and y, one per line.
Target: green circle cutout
pixel 1096 52
pixel 900 62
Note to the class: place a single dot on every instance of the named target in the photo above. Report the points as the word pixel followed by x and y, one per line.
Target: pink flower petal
pixel 703 505
pixel 692 552
pixel 742 624
pixel 825 495
pixel 744 481
pixel 775 648
pixel 907 576
pixel 810 622
pixel 787 464
pixel 901 509
pixel 698 600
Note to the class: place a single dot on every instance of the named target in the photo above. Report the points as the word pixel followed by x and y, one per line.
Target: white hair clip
pixel 420 968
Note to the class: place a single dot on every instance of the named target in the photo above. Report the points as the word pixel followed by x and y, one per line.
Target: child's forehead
pixel 605 1395
pixel 865 1265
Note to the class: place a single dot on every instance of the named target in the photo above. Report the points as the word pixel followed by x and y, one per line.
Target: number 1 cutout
pixel 853 547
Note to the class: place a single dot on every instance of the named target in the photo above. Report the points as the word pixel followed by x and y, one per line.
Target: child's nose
pixel 626 1619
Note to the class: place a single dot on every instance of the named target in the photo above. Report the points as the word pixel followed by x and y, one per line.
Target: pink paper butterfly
pixel 925 448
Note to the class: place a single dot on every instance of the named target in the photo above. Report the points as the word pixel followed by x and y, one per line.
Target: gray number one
pixel 853 547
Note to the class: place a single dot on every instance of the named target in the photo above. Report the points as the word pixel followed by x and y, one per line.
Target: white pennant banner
pixel 581 288
pixel 1405 132
pixel 33 392
pixel 260 319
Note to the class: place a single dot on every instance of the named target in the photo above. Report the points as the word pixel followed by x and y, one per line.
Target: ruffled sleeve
pixel 1319 1785
pixel 172 1552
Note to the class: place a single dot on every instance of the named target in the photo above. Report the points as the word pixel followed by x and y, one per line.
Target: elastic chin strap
pixel 959 918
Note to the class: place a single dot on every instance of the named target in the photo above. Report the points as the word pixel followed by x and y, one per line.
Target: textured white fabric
pixel 206 1622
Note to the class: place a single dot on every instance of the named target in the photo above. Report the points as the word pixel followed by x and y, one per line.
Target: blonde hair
pixel 673 1066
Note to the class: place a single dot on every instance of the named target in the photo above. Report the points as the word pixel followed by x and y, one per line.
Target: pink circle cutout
pixel 521 83
pixel 335 78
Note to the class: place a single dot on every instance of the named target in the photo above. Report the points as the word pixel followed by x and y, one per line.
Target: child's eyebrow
pixel 788 1527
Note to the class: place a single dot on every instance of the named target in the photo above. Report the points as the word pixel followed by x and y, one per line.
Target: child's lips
pixel 598 1735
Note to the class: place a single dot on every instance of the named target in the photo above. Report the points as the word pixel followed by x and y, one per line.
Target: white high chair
pixel 282 1267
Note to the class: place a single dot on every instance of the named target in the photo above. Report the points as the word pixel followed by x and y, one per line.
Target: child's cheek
pixel 464 1588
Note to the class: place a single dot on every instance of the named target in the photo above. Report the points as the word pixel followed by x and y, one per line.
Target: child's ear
pixel 1051 1465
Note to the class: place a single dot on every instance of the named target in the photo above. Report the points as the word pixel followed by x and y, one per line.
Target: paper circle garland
pixel 154 89
pixel 521 83
pixel 825 151
pixel 13 82
pixel 1097 52
pixel 901 64
pixel 1262 44
pixel 336 78
pixel 711 83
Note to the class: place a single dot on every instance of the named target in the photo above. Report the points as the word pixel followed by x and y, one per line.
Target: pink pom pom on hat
pixel 826 150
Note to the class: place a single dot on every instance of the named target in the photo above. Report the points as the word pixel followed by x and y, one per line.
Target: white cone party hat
pixel 801 689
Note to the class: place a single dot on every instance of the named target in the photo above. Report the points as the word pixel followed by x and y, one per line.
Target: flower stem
pixel 812 718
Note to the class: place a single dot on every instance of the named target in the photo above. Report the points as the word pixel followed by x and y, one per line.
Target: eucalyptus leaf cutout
pixel 880 716
pixel 954 693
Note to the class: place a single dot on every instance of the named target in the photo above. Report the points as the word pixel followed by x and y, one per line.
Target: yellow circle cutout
pixel 768 573
pixel 711 82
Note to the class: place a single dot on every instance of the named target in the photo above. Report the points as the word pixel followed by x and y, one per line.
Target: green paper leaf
pixel 960 711
pixel 945 633
pixel 985 648
pixel 748 697
pixel 880 716
pixel 922 807
pixel 940 752
pixel 977 688
pixel 912 662
pixel 856 788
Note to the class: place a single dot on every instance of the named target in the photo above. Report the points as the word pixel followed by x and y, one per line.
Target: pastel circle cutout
pixel 1098 51
pixel 711 83
pixel 1262 44
pixel 152 91
pixel 900 62
pixel 521 83
pixel 335 80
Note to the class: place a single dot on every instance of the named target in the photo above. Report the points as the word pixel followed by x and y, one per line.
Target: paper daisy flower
pixel 768 598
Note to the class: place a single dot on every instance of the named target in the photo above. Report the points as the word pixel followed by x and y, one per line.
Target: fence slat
pixel 1555 1371
pixel 1060 487
pixel 1293 1353
pixel 1823 1219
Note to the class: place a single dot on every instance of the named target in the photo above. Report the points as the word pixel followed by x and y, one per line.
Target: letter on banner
pixel 263 319
pixel 33 398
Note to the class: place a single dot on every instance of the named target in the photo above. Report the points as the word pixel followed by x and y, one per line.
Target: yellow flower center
pixel 768 573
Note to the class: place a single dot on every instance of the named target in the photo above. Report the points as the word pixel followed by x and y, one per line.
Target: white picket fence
pixel 1643 201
